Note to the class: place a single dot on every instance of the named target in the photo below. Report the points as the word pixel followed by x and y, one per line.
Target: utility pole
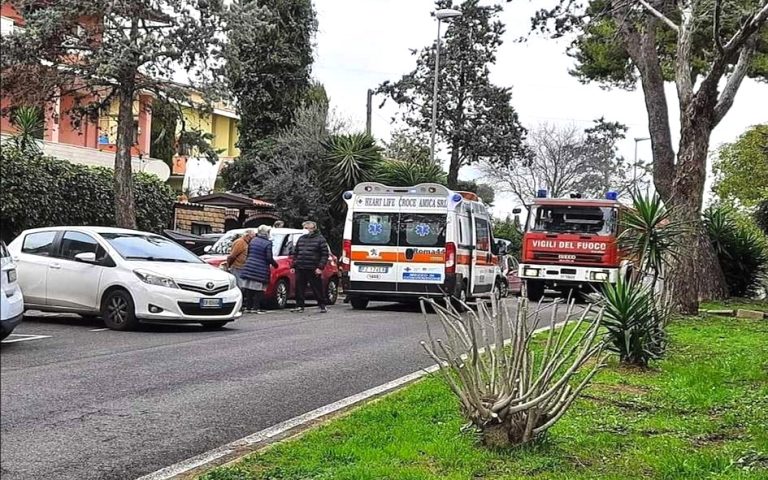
pixel 368 112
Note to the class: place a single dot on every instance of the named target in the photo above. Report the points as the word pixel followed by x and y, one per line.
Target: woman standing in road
pixel 256 272
pixel 237 255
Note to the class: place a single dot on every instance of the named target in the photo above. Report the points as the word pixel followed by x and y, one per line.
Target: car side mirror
pixel 207 248
pixel 503 250
pixel 517 210
pixel 86 257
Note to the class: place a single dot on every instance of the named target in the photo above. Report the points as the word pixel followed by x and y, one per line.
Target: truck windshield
pixel 573 219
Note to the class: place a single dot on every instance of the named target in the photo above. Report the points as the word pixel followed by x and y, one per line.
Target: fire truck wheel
pixel 534 289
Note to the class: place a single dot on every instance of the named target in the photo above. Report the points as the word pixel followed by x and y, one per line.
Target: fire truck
pixel 570 245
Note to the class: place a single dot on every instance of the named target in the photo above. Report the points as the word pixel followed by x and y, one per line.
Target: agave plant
pixel 400 173
pixel 507 393
pixel 29 126
pixel 650 235
pixel 350 159
pixel 742 250
pixel 635 318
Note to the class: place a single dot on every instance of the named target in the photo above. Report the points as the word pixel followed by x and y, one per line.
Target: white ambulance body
pixel 403 243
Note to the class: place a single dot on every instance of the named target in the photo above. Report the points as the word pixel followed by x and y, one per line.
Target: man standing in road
pixel 309 255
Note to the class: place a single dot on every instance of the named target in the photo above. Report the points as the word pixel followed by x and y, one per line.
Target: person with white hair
pixel 256 272
pixel 309 256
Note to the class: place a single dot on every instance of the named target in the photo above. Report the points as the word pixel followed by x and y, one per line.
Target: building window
pixel 200 228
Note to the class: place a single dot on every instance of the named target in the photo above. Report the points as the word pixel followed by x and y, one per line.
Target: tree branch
pixel 734 82
pixel 683 78
pixel 660 15
pixel 716 27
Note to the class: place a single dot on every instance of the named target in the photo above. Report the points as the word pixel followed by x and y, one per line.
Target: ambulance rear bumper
pixel 401 291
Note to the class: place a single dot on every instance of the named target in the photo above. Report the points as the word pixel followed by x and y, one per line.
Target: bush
pixel 37 191
pixel 635 317
pixel 741 248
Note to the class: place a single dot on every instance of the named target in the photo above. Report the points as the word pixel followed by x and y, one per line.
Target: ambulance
pixel 403 243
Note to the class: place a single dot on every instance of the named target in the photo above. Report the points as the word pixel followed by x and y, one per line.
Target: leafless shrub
pixel 508 391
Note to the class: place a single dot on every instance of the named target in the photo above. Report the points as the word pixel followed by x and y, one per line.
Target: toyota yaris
pixel 124 276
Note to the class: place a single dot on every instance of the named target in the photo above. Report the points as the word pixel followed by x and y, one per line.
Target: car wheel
pixel 213 325
pixel 503 289
pixel 118 311
pixel 359 303
pixel 332 291
pixel 460 301
pixel 534 290
pixel 281 294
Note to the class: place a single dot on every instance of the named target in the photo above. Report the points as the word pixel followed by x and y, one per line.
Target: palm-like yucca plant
pixel 742 250
pixel 635 318
pixel 350 159
pixel 650 235
pixel 399 173
pixel 29 126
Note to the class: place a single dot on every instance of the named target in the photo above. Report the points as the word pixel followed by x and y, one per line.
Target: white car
pixel 11 299
pixel 125 276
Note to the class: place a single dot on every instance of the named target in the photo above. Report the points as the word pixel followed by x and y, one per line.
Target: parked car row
pixel 127 277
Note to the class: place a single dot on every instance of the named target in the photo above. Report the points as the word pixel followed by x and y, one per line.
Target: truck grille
pixel 587 258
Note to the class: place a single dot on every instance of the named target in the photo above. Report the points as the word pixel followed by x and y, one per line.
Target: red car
pixel 514 284
pixel 282 284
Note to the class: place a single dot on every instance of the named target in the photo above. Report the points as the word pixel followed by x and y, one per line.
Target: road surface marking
pixel 23 338
pixel 98 330
pixel 210 456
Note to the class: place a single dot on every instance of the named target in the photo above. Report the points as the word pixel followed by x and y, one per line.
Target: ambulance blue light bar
pixel 541 193
pixel 612 195
pixel 456 197
pixel 348 195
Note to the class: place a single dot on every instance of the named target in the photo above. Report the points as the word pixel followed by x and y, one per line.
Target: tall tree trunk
pixel 125 205
pixel 453 168
pixel 697 274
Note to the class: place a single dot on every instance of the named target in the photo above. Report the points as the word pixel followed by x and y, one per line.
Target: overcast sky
pixel 361 43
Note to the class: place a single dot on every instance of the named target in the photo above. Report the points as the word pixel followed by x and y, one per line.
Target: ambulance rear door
pixel 422 233
pixel 374 251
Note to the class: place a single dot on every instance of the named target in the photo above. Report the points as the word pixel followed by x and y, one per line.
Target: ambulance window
pixel 373 229
pixel 466 231
pixel 422 230
pixel 482 235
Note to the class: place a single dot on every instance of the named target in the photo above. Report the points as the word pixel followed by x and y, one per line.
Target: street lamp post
pixel 634 165
pixel 442 14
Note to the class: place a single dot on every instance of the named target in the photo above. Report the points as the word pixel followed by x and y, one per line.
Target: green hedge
pixel 43 191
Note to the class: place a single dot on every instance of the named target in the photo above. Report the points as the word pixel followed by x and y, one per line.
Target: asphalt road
pixel 87 403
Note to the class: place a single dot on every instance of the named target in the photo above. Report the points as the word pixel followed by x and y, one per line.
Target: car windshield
pixel 224 245
pixel 151 248
pixel 573 219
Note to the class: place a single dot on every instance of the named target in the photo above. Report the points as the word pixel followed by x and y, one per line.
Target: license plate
pixel 211 303
pixel 373 269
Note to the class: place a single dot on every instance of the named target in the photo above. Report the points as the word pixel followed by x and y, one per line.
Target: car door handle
pixel 54 266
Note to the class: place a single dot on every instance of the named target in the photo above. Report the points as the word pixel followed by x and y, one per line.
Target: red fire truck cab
pixel 570 245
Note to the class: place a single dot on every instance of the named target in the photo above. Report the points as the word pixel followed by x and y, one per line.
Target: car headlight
pixel 153 279
pixel 531 272
pixel 232 282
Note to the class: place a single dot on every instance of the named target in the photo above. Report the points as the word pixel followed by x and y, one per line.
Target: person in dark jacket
pixel 309 255
pixel 256 271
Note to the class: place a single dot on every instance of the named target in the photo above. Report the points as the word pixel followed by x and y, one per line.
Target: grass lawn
pixel 700 414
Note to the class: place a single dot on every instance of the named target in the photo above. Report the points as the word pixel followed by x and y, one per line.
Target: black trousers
pixel 304 276
pixel 253 299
